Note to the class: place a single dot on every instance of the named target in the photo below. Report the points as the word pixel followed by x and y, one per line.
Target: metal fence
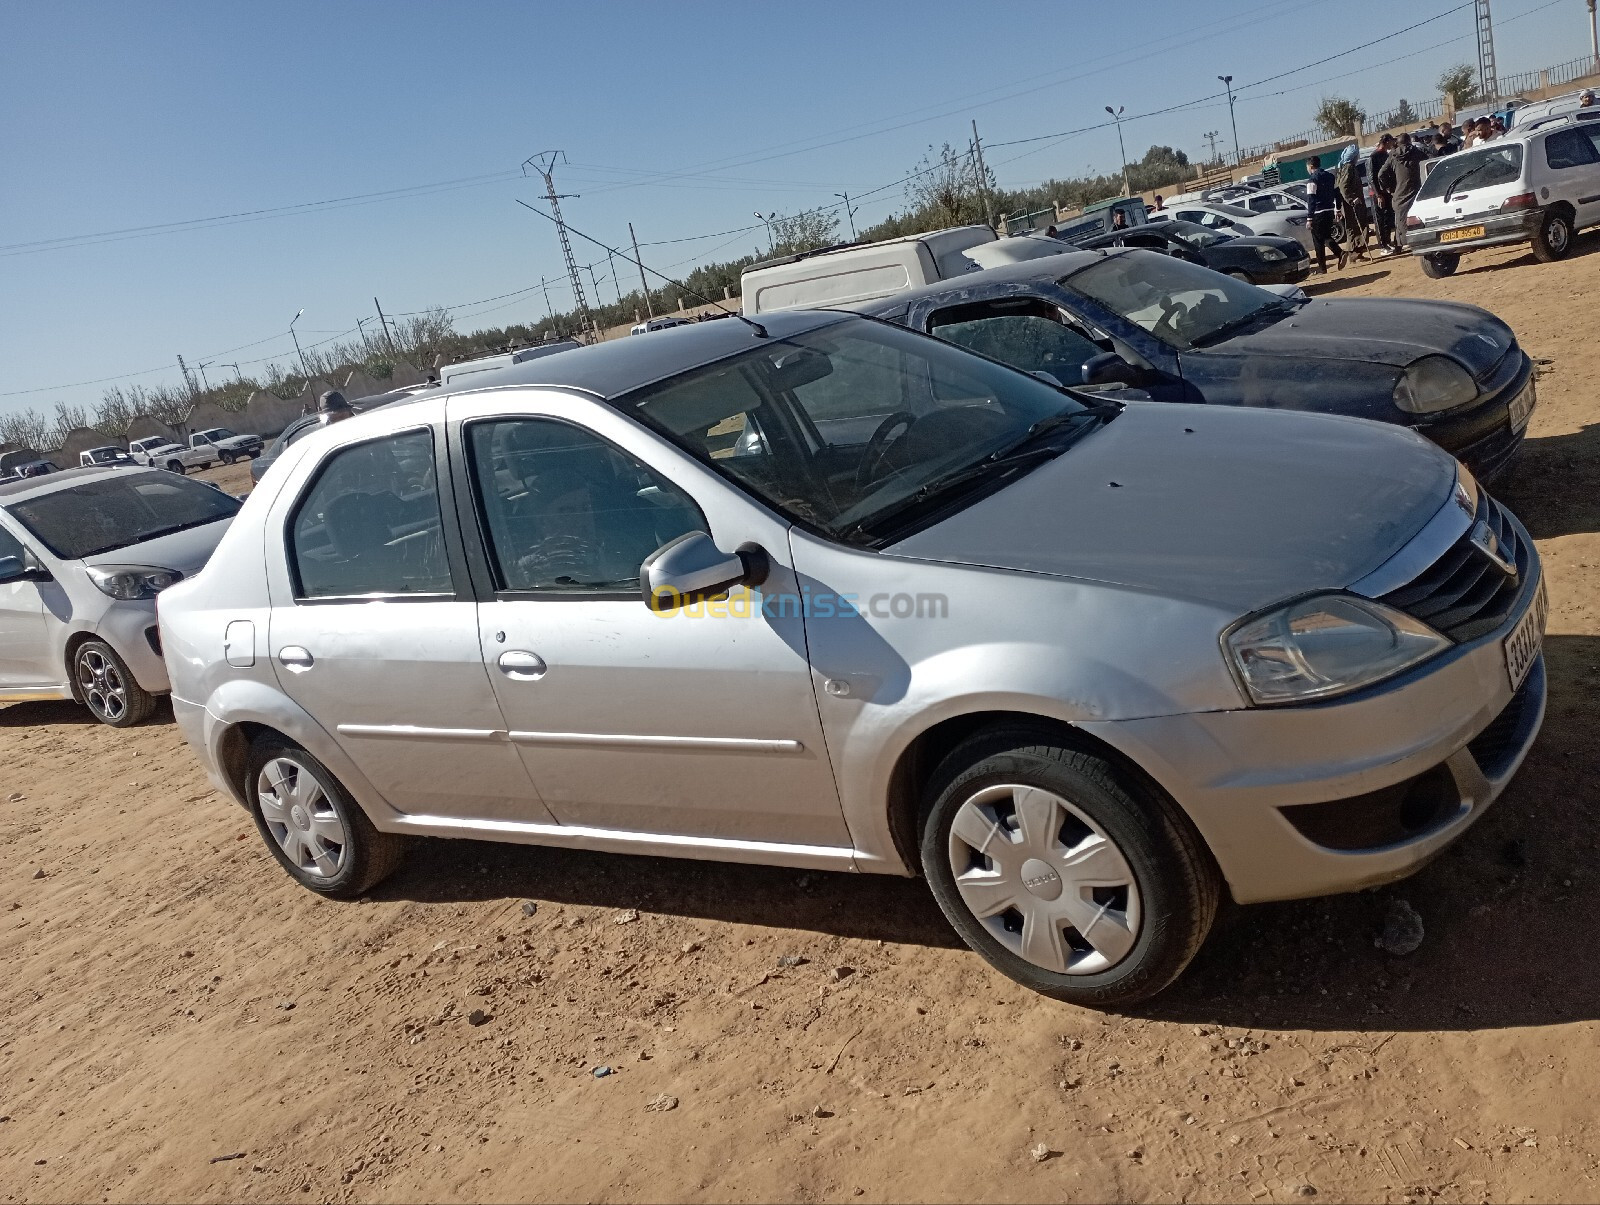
pixel 1423 111
pixel 1565 73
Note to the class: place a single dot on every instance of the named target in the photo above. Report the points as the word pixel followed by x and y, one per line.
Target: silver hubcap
pixel 1044 879
pixel 301 818
pixel 102 685
pixel 1558 235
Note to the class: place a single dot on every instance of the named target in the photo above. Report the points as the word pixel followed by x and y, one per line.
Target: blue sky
pixel 684 118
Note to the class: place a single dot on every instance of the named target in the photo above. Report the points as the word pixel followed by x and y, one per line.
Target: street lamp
pixel 205 384
pixel 766 220
pixel 1116 116
pixel 238 376
pixel 296 339
pixel 850 213
pixel 1227 82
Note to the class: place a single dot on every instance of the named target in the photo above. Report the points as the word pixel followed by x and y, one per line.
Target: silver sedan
pixel 823 592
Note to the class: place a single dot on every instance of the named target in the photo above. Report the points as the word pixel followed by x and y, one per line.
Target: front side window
pixel 369 523
pixel 564 511
pixel 1027 341
pixel 917 415
pixel 1180 303
pixel 116 512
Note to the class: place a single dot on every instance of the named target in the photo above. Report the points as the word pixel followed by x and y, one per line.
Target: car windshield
pixel 1231 211
pixel 1195 234
pixel 116 511
pixel 859 426
pixel 1495 163
pixel 1180 303
pixel 217 433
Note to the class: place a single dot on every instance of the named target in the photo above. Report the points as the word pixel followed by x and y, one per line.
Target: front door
pixel 374 640
pixel 699 724
pixel 26 669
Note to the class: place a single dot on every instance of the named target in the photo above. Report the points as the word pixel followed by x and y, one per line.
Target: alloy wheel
pixel 301 818
pixel 100 680
pixel 1044 879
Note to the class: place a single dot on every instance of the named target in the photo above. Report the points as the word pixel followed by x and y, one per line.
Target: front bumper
pixel 1498 229
pixel 1289 272
pixel 1235 772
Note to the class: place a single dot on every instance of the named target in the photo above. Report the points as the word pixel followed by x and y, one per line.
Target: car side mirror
pixel 1108 368
pixel 692 567
pixel 22 569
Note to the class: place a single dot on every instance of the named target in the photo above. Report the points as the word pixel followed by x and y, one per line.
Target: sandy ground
pixel 178 1021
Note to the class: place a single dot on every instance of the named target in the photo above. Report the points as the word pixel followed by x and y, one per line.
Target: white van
pixel 855 273
pixel 454 372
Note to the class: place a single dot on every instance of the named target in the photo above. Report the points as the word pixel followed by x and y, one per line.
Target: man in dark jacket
pixel 1323 199
pixel 1382 199
pixel 1405 172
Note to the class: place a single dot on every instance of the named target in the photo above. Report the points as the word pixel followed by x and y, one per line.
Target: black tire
pixel 1177 882
pixel 226 457
pixel 107 688
pixel 367 856
pixel 176 466
pixel 1553 239
pixel 1439 264
pixel 1244 276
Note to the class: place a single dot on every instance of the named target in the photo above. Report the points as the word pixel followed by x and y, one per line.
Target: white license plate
pixel 1526 639
pixel 1522 407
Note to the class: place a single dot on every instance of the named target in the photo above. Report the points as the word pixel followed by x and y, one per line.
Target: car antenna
pixel 761 331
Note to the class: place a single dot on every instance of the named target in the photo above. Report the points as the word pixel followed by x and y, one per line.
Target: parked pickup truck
pixel 205 449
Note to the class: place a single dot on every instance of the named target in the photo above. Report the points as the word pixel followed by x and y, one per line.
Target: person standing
pixel 1382 193
pixel 1348 181
pixel 1405 168
pixel 1322 197
pixel 1452 144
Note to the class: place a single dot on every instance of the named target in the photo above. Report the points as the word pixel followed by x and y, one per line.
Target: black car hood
pixel 1238 507
pixel 1381 330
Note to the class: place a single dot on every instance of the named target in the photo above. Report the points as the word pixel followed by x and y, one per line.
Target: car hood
pixel 185 551
pixel 1238 507
pixel 1381 330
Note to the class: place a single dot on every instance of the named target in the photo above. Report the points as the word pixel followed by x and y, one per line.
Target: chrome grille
pixel 1464 594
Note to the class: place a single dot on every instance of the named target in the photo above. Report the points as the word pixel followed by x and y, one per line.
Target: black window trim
pixel 446 500
pixel 483 563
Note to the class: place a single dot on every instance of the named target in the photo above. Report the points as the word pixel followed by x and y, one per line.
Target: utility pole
pixel 1116 116
pixel 849 212
pixel 188 381
pixel 649 310
pixel 611 266
pixel 201 368
pixel 1227 82
pixel 1487 83
pixel 983 174
pixel 590 269
pixel 387 338
pixel 544 163
pixel 1594 36
pixel 238 377
pixel 766 220
pixel 549 310
pixel 1211 137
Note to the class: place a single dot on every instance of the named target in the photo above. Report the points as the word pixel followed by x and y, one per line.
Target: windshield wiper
pixel 1243 320
pixel 1450 188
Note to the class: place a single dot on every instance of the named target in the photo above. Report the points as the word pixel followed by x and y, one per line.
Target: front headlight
pixel 1270 254
pixel 1434 383
pixel 128 583
pixel 1326 645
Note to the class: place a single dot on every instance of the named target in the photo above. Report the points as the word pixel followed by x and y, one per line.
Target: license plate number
pixel 1455 236
pixel 1526 639
pixel 1522 407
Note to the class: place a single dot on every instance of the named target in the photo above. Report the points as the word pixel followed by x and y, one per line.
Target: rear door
pixel 1574 162
pixel 374 630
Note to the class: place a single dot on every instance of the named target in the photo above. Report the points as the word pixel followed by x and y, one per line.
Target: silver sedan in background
pixel 824 592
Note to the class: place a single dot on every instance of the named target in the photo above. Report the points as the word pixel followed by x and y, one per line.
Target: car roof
pixel 620 366
pixel 1050 267
pixel 28 487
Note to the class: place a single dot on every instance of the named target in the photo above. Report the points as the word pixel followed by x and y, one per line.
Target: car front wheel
pixel 107 687
pixel 1065 872
pixel 1244 276
pixel 1440 264
pixel 312 826
pixel 1553 239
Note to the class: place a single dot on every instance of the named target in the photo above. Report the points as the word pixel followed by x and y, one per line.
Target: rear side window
pixel 1569 148
pixel 567 512
pixel 369 524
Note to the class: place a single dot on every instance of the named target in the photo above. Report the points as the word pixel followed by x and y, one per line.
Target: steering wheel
pixel 872 454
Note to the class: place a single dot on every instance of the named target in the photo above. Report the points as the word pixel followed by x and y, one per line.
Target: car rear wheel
pixel 176 466
pixel 227 457
pixel 1554 237
pixel 107 687
pixel 1064 871
pixel 312 826
pixel 1244 276
pixel 1441 264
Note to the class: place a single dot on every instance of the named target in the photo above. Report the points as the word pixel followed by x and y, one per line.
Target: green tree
pixel 1460 84
pixel 794 233
pixel 1338 115
pixel 1403 115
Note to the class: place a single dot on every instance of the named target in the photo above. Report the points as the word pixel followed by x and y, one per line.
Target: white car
pixel 1539 184
pixel 83 554
pixel 1237 220
pixel 157 451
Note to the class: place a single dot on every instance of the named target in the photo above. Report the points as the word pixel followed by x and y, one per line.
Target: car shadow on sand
pixel 1321 286
pixel 1511 912
pixel 43 712
pixel 1554 487
pixel 1583 244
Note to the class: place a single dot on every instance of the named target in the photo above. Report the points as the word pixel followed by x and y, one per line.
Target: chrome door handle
pixel 521 665
pixel 295 659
